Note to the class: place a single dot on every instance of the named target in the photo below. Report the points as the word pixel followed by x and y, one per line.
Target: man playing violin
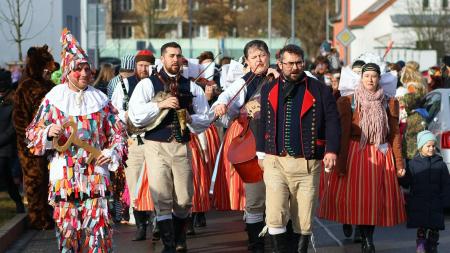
pixel 228 106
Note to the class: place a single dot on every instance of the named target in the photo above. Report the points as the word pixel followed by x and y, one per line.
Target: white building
pixel 376 22
pixel 43 25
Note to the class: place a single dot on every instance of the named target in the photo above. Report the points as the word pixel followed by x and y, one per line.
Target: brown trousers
pixel 291 191
pixel 170 177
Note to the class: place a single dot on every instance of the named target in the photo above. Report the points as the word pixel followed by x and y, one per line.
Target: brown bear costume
pixel 31 90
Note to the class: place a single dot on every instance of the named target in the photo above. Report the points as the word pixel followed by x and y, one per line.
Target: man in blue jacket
pixel 299 128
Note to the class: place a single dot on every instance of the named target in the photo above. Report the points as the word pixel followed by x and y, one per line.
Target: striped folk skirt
pixel 229 193
pixel 143 201
pixel 369 193
pixel 201 177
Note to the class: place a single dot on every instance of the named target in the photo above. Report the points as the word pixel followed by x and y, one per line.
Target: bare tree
pixel 431 26
pixel 18 16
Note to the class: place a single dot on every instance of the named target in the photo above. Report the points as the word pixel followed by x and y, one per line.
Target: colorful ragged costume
pixel 79 190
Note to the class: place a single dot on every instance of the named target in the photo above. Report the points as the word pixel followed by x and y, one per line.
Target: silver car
pixel 437 103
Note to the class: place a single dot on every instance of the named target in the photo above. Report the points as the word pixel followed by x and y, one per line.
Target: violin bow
pixel 207 66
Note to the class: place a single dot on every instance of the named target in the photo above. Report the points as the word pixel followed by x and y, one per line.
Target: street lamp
pixel 292 21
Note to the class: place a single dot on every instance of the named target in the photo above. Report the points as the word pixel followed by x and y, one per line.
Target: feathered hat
pixel 71 54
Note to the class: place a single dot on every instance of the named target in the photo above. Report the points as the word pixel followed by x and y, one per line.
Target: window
pixel 444 4
pixel 161 5
pixel 126 5
pixel 196 6
pixel 433 106
pixel 425 4
pixel 123 31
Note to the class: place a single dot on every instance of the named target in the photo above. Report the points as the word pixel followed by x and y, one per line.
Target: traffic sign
pixel 345 37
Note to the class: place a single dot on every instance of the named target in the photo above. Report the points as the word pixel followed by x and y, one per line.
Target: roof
pixel 371 13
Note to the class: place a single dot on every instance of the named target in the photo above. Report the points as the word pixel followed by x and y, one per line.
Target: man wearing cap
pixel 165 148
pixel 127 66
pixel 120 98
pixel 144 59
pixel 79 185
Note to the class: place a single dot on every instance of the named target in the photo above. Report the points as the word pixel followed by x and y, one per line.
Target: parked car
pixel 437 103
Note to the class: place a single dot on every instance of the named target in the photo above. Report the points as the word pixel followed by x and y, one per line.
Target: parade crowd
pixel 156 143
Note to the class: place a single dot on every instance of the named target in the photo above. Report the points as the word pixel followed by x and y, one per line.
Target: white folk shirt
pixel 141 110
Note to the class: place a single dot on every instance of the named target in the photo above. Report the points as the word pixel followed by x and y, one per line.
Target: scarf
pixel 373 119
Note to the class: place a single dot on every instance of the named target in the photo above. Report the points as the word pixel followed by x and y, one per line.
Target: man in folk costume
pixel 80 116
pixel 122 210
pixel 257 57
pixel 299 127
pixel 120 99
pixel 166 149
pixel 32 89
pixel 127 69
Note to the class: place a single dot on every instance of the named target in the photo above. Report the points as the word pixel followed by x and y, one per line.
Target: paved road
pixel 225 233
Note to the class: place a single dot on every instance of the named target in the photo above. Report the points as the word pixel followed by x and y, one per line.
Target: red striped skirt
pixel 368 194
pixel 324 178
pixel 201 177
pixel 143 201
pixel 229 193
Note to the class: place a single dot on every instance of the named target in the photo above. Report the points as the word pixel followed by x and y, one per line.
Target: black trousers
pixel 6 164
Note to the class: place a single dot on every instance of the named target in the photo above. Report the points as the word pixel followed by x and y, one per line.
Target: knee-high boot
pixel 280 243
pixel 141 225
pixel 179 225
pixel 368 245
pixel 167 235
pixel 432 240
pixel 255 243
pixel 303 243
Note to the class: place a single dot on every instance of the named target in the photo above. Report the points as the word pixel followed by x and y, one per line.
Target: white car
pixel 437 103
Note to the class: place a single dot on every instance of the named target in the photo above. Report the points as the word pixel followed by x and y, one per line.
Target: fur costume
pixel 30 92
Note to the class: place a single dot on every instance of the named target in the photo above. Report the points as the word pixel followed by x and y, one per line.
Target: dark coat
pixel 429 182
pixel 316 115
pixel 7 132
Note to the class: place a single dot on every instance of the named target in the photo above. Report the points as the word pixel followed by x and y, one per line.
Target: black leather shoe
pixel 348 230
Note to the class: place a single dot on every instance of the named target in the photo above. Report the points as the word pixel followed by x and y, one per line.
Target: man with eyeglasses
pixel 299 128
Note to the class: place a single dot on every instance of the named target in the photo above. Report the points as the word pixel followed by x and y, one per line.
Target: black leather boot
pixel 155 230
pixel 141 225
pixel 200 220
pixel 280 243
pixel 190 225
pixel 303 243
pixel 293 237
pixel 180 234
pixel 348 230
pixel 255 243
pixel 368 246
pixel 167 235
pixel 432 241
pixel 357 235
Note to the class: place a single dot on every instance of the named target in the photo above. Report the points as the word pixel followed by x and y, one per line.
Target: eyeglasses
pixel 289 64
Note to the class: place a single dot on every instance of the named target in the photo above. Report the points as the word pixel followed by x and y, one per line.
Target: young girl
pixel 428 178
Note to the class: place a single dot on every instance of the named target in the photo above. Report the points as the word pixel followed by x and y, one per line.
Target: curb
pixel 12 230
